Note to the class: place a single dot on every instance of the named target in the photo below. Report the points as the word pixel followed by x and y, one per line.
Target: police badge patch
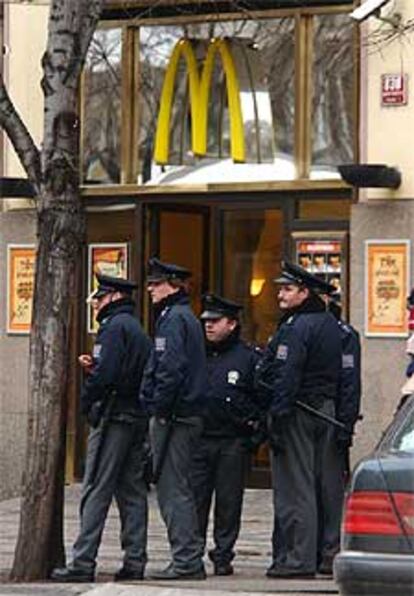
pixel 160 344
pixel 233 376
pixel 96 350
pixel 282 352
pixel 348 361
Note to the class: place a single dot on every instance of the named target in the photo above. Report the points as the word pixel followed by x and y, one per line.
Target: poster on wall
pixel 106 259
pixel 21 261
pixel 323 257
pixel 386 287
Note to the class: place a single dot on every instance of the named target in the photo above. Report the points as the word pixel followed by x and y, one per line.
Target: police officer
pixel 349 397
pixel 302 362
pixel 118 428
pixel 231 417
pixel 347 407
pixel 173 392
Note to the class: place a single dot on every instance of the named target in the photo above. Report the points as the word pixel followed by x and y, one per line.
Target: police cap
pixel 216 307
pixel 159 271
pixel 293 274
pixel 108 284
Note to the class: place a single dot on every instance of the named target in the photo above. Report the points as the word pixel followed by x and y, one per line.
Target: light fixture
pixel 370 175
pixel 16 188
pixel 256 286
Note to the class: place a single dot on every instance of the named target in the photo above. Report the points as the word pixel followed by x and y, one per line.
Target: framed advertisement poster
pixel 21 262
pixel 324 255
pixel 106 259
pixel 387 264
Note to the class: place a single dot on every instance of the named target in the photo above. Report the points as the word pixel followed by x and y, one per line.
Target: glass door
pixel 179 234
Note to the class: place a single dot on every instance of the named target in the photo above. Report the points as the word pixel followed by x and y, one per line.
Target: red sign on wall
pixel 394 90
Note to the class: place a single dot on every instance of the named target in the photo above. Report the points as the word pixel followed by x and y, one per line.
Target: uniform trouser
pixel 175 493
pixel 307 469
pixel 119 474
pixel 330 486
pixel 219 466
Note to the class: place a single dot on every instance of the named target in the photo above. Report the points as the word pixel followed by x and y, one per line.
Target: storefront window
pixel 226 112
pixel 101 127
pixel 333 137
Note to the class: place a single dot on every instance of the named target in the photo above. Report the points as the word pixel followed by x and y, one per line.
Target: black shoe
pixel 127 574
pixel 72 575
pixel 326 567
pixel 223 569
pixel 271 570
pixel 171 574
pixel 277 572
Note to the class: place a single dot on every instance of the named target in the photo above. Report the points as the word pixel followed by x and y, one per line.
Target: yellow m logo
pixel 199 88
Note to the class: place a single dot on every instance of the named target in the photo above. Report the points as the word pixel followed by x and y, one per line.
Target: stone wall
pixel 383 359
pixel 15 227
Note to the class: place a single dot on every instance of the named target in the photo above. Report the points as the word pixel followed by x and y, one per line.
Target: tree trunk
pixel 60 231
pixel 40 542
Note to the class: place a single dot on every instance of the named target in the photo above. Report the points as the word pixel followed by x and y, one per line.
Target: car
pixel 377 533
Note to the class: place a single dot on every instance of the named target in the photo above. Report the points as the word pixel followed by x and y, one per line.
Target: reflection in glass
pixel 179 246
pixel 253 241
pixel 333 95
pixel 102 108
pixel 404 438
pixel 252 254
pixel 263 53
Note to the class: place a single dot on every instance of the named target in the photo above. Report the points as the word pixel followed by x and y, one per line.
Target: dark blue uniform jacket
pixel 231 406
pixel 303 359
pixel 120 353
pixel 175 377
pixel 349 398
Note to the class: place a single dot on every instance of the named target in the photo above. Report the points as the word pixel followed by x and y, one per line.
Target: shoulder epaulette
pixel 253 347
pixel 344 326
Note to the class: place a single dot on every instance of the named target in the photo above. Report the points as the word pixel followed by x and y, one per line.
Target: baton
pixel 318 414
pixel 313 411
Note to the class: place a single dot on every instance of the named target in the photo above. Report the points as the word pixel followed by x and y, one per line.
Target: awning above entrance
pixel 121 9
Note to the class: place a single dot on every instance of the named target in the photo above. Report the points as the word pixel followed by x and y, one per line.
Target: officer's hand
pixel 276 426
pixel 86 362
pixel 253 441
pixel 343 440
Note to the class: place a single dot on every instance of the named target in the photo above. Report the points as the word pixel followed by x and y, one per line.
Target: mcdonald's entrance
pixel 234 244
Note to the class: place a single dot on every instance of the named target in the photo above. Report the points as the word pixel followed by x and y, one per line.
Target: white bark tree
pixel 53 170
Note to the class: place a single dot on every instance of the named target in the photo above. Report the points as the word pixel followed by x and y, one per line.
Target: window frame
pixel 303 103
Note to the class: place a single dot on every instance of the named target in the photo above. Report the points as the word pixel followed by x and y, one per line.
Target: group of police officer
pixel 206 399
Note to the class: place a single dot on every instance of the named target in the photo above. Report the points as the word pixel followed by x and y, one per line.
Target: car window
pixel 403 440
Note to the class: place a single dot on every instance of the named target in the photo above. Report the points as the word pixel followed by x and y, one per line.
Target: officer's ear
pixel 233 323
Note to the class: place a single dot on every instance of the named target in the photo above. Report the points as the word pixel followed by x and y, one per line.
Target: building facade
pixel 211 137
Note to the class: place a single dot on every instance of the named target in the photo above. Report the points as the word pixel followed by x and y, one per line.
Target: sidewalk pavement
pixel 252 558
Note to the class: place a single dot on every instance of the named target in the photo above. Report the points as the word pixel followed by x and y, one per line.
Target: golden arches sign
pixel 199 99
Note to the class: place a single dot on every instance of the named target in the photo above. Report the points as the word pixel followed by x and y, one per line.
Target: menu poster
pixel 106 259
pixel 21 262
pixel 386 287
pixel 323 258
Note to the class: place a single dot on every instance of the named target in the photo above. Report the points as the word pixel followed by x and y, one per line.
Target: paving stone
pixel 252 558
